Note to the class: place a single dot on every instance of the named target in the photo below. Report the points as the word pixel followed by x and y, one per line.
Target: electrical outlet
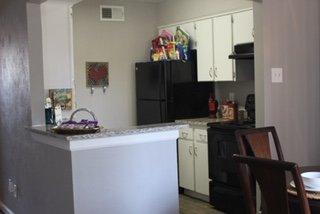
pixel 10 185
pixel 15 191
pixel 276 75
pixel 12 188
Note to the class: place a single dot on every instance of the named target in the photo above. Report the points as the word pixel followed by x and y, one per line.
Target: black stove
pixel 225 191
pixel 234 125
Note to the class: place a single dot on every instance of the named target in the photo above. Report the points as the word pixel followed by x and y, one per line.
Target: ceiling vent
pixel 111 13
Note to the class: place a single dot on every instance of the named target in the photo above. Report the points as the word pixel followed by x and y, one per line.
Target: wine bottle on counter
pixel 213 106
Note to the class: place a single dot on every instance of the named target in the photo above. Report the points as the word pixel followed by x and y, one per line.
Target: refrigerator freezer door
pixel 150 81
pixel 151 112
pixel 183 72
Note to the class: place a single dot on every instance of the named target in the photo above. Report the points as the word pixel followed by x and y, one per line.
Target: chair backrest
pixel 271 176
pixel 256 142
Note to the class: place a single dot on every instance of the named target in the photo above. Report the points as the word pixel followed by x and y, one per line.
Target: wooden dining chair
pixel 271 176
pixel 256 142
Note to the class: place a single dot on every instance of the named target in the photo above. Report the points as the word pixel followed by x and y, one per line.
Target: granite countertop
pixel 202 121
pixel 46 130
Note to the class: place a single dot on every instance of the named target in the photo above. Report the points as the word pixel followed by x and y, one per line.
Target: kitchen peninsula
pixel 131 170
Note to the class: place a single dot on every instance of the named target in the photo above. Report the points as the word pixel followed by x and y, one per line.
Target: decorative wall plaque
pixel 97 74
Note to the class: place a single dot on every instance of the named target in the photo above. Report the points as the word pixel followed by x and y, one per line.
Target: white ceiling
pixel 152 1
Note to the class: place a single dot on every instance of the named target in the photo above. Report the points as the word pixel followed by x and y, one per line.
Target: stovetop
pixel 234 125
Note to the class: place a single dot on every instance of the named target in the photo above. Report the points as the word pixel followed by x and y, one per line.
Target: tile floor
pixel 190 205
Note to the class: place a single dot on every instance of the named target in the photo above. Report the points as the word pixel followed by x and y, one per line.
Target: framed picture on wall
pixel 97 74
pixel 62 97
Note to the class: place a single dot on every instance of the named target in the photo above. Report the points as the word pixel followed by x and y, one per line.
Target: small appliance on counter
pixel 72 127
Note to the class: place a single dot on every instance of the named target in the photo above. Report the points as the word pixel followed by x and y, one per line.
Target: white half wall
pixel 122 44
pixel 57 44
pixel 35 63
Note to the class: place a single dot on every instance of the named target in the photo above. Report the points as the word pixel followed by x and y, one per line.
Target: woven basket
pixel 310 195
pixel 77 131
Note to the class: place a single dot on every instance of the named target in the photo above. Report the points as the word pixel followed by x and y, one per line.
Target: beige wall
pixel 119 43
pixel 291 41
pixel 180 10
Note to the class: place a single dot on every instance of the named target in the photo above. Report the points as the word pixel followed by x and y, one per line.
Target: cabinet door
pixel 186 164
pixel 243 27
pixel 204 50
pixel 201 168
pixel 223 46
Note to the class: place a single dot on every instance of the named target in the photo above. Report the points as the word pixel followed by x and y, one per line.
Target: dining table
pixel 293 200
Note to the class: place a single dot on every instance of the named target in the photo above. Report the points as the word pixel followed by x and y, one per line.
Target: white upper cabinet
pixel 223 47
pixel 243 27
pixel 214 39
pixel 204 41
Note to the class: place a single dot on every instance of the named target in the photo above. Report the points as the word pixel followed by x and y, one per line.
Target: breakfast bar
pixel 131 170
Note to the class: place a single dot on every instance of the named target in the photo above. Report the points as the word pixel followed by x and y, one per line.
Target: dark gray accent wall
pixel 29 164
pixel 14 94
pixel 291 40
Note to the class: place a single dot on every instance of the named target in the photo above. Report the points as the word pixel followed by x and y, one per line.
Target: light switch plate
pixel 277 75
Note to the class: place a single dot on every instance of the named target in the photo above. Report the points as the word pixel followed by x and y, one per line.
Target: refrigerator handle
pixel 161 112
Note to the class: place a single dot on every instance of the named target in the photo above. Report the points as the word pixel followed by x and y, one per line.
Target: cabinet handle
pixel 253 32
pixel 190 150
pixel 196 151
pixel 210 72
pixel 215 72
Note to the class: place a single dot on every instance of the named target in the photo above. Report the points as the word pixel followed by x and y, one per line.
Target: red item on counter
pixel 213 107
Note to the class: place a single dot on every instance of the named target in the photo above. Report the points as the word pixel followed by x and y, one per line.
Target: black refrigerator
pixel 168 90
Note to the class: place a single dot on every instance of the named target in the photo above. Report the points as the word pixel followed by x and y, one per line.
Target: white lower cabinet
pixel 186 164
pixel 201 168
pixel 193 161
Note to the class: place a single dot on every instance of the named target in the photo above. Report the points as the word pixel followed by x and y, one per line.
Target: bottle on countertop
pixel 49 112
pixel 213 106
pixel 57 115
